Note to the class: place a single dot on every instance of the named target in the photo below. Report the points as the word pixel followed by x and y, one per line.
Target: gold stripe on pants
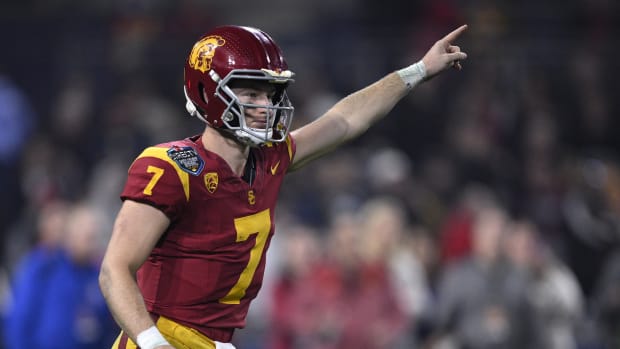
pixel 179 336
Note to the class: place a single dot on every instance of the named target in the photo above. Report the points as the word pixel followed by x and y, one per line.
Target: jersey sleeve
pixel 281 153
pixel 156 180
pixel 289 145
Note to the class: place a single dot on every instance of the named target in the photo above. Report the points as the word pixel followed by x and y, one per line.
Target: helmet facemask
pixel 279 112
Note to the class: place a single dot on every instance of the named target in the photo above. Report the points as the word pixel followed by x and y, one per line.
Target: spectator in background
pixel 606 303
pixel 591 210
pixel 412 266
pixel 344 298
pixel 16 122
pixel 57 302
pixel 295 305
pixel 482 301
pixel 387 291
pixel 32 277
pixel 456 230
pixel 73 314
pixel 552 289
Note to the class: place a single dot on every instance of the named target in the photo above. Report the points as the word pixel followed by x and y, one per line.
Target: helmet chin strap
pixel 253 140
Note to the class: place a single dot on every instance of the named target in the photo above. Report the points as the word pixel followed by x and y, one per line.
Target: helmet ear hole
pixel 203 95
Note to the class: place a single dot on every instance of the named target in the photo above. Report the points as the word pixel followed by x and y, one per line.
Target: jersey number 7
pixel 258 223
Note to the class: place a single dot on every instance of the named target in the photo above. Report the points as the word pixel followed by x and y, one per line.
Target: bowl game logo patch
pixel 187 159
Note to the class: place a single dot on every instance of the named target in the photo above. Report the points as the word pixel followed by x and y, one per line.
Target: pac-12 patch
pixel 187 158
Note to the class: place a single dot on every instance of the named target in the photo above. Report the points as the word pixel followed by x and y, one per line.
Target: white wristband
pixel 151 338
pixel 413 74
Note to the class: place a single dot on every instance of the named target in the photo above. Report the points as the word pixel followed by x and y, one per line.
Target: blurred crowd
pixel 483 212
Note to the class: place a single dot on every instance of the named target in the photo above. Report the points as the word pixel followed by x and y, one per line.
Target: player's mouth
pixel 258 124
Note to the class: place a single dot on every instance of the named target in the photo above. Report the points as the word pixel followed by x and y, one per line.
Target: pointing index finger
pixel 455 33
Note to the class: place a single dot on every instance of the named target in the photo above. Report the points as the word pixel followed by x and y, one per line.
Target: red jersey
pixel 209 263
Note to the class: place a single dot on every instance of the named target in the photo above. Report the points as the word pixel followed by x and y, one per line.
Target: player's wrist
pixel 413 74
pixel 151 338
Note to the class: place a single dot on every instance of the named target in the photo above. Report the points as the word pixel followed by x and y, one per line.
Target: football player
pixel 187 252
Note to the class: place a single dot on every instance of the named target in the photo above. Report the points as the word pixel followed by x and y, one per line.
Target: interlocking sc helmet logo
pixel 203 51
pixel 211 180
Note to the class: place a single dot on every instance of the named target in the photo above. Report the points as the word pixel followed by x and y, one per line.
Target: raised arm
pixel 355 113
pixel 136 231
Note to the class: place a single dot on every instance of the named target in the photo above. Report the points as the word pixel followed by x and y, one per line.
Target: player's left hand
pixel 443 54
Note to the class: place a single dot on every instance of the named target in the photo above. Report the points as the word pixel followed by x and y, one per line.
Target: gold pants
pixel 179 336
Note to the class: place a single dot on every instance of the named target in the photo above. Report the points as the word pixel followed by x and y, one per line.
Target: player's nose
pixel 264 102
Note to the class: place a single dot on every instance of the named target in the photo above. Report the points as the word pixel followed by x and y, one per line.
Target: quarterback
pixel 187 252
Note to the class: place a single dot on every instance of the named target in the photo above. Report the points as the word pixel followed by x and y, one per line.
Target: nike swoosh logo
pixel 274 168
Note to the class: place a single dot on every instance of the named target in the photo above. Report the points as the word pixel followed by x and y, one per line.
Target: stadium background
pixel 528 127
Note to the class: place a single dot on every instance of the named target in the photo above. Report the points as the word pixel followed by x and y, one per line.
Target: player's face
pixel 257 93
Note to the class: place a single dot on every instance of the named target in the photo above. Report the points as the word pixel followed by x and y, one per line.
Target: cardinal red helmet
pixel 229 53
